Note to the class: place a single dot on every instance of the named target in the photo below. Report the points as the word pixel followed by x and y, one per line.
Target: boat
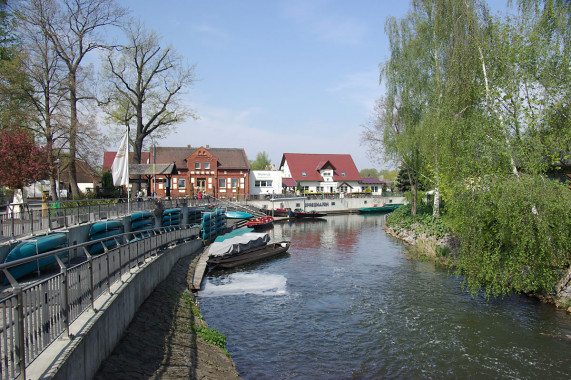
pixel 32 247
pixel 238 215
pixel 379 209
pixel 251 255
pixel 299 213
pixel 277 212
pixel 261 223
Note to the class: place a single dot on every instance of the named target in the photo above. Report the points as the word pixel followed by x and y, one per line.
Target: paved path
pixel 160 343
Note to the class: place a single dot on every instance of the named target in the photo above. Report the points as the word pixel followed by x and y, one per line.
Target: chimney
pixel 207 146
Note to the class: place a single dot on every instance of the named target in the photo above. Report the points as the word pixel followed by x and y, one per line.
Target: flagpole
pixel 128 174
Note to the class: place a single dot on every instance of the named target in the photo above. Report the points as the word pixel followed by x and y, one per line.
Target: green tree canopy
pixel 262 162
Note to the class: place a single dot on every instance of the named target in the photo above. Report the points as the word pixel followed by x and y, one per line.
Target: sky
pixel 277 76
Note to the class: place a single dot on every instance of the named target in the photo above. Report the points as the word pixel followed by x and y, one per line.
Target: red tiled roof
pixel 109 157
pixel 302 162
pixel 289 182
pixel 229 158
pixel 371 180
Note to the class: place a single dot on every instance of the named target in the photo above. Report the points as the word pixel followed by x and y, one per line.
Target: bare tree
pixel 45 87
pixel 147 81
pixel 73 27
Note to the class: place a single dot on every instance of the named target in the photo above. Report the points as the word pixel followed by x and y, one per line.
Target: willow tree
pixel 512 220
pixel 147 81
pixel 395 133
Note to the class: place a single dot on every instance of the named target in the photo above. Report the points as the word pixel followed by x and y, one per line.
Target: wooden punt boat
pixel 250 256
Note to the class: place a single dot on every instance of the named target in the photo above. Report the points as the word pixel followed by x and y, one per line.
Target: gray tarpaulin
pixel 238 244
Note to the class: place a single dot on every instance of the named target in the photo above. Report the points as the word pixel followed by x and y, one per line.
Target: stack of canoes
pixel 172 217
pixel 102 230
pixel 142 221
pixel 32 247
pixel 213 223
pixel 194 215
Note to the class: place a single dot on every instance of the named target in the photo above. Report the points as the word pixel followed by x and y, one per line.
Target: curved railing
pixel 35 315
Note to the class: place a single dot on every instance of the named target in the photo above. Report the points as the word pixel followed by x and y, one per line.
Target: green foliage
pixel 515 233
pixel 421 223
pixel 211 336
pixel 369 173
pixel 262 162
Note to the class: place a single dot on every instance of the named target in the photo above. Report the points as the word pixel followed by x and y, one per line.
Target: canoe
pixel 142 215
pixel 172 211
pixel 379 209
pixel 250 256
pixel 238 215
pixel 32 247
pixel 105 226
pixel 139 223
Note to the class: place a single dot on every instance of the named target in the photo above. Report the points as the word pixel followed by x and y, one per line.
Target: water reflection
pixel 347 303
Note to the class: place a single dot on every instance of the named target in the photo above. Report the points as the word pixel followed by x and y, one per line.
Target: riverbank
pixel 444 251
pixel 166 338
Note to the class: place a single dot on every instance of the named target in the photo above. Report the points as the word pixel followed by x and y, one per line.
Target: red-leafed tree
pixel 22 162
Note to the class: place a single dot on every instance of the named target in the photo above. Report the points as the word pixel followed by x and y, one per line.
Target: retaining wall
pixel 97 333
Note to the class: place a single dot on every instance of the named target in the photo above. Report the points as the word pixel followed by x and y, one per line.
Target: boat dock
pixel 199 270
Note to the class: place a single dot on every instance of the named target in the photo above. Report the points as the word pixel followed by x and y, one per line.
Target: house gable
pixel 309 167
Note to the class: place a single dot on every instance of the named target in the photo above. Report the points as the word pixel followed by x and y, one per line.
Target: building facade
pixel 266 182
pixel 321 173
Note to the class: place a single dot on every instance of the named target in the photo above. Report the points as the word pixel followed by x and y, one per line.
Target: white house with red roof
pixel 321 173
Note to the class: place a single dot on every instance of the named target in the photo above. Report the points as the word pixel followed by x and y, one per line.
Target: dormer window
pixel 304 174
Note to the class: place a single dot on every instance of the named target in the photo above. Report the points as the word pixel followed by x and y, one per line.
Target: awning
pixel 288 182
pixel 150 169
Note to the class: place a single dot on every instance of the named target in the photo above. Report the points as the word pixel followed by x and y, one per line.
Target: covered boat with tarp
pixel 242 247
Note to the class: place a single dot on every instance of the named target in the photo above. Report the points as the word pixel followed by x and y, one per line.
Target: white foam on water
pixel 242 283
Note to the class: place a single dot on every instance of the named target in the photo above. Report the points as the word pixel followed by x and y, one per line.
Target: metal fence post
pixel 65 286
pixel 20 349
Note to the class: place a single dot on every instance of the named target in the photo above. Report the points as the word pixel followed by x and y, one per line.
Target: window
pixel 263 183
pixel 304 174
pixel 197 165
pixel 343 174
pixel 343 189
pixel 181 183
pixel 207 165
pixel 234 183
pixel 222 183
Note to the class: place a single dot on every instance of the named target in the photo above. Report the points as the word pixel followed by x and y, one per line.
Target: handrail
pixel 37 314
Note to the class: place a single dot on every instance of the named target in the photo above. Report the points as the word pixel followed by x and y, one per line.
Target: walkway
pixel 159 343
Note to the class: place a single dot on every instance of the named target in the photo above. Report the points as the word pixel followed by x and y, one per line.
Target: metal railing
pixel 36 315
pixel 30 218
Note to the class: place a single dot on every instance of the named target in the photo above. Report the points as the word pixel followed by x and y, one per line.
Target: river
pixel 347 303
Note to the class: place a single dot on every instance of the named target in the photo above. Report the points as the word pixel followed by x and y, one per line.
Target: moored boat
pixel 309 214
pixel 251 255
pixel 261 223
pixel 380 209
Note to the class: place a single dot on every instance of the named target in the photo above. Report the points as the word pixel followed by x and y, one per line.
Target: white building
pixel 264 182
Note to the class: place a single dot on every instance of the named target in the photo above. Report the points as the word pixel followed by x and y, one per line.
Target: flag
pixel 120 167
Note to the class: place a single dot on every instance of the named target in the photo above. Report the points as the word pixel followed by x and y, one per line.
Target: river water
pixel 347 303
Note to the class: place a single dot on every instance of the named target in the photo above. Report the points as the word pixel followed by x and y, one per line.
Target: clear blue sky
pixel 279 76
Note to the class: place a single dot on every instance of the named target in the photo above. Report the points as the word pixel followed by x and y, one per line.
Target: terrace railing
pixel 30 218
pixel 36 315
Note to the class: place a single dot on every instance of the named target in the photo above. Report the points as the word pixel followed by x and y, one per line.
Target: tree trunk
pixel 73 136
pixel 412 181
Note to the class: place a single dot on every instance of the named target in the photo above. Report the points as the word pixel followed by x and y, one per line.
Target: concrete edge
pixel 96 334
